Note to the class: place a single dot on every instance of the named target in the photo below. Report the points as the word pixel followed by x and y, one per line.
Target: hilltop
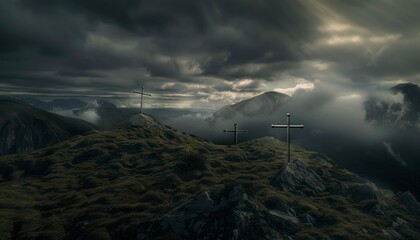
pixel 144 180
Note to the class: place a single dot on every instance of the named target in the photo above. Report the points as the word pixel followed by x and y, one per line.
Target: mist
pixel 89 115
pixel 336 124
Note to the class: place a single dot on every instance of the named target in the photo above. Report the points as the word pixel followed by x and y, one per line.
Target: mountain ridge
pixel 265 103
pixel 24 128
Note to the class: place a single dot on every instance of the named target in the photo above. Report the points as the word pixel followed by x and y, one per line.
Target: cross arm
pixel 142 93
pixel 239 131
pixel 285 126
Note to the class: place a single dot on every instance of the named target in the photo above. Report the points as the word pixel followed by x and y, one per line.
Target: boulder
pixel 225 213
pixel 296 176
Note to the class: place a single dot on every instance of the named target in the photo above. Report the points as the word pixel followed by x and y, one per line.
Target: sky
pixel 206 54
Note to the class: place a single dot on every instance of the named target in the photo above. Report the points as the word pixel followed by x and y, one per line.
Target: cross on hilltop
pixel 288 127
pixel 235 132
pixel 142 94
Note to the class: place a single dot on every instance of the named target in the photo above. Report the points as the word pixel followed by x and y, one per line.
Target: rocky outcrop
pixel 222 214
pixel 297 177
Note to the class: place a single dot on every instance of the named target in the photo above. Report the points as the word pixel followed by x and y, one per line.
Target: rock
pixel 340 189
pixel 392 234
pixel 281 207
pixel 285 221
pixel 377 210
pixel 296 176
pixel 308 220
pixel 408 199
pixel 398 222
pixel 366 191
pixel 226 213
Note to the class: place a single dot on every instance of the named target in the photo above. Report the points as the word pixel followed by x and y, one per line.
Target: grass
pixel 103 184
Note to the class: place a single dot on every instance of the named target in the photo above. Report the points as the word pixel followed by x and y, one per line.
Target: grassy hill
pixel 104 184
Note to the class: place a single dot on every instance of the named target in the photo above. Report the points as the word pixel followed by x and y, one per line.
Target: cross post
pixel 235 132
pixel 288 127
pixel 142 94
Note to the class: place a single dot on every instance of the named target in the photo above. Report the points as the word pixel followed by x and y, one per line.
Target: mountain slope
pixel 263 104
pixel 141 179
pixel 24 128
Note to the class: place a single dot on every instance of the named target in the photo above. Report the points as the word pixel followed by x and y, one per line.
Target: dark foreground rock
pixel 222 214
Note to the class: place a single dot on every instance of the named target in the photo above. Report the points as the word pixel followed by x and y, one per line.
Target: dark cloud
pixel 109 46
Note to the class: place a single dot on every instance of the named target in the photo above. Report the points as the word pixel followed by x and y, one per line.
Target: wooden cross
pixel 235 132
pixel 142 94
pixel 287 126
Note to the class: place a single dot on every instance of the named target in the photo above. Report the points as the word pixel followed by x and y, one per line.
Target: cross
pixel 142 94
pixel 288 126
pixel 235 132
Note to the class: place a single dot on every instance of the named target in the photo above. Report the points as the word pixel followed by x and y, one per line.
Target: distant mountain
pixel 62 104
pixel 399 114
pixel 144 180
pixel 264 104
pixel 24 128
pixel 67 104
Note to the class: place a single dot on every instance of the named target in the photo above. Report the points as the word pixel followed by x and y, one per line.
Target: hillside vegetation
pixel 105 184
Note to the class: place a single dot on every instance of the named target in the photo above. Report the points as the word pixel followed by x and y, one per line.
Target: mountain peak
pixel 263 104
pixel 408 89
pixel 24 128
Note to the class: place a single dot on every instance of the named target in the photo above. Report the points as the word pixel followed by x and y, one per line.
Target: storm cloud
pixel 203 54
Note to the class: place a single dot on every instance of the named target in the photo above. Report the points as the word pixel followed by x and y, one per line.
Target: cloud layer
pixel 204 54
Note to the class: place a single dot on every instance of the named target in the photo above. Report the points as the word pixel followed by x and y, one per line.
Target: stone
pixel 377 210
pixel 226 213
pixel 285 221
pixel 308 220
pixel 398 222
pixel 408 199
pixel 392 234
pixel 284 208
pixel 297 176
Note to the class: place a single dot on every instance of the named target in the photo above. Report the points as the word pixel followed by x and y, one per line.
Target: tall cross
pixel 287 126
pixel 235 132
pixel 142 94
